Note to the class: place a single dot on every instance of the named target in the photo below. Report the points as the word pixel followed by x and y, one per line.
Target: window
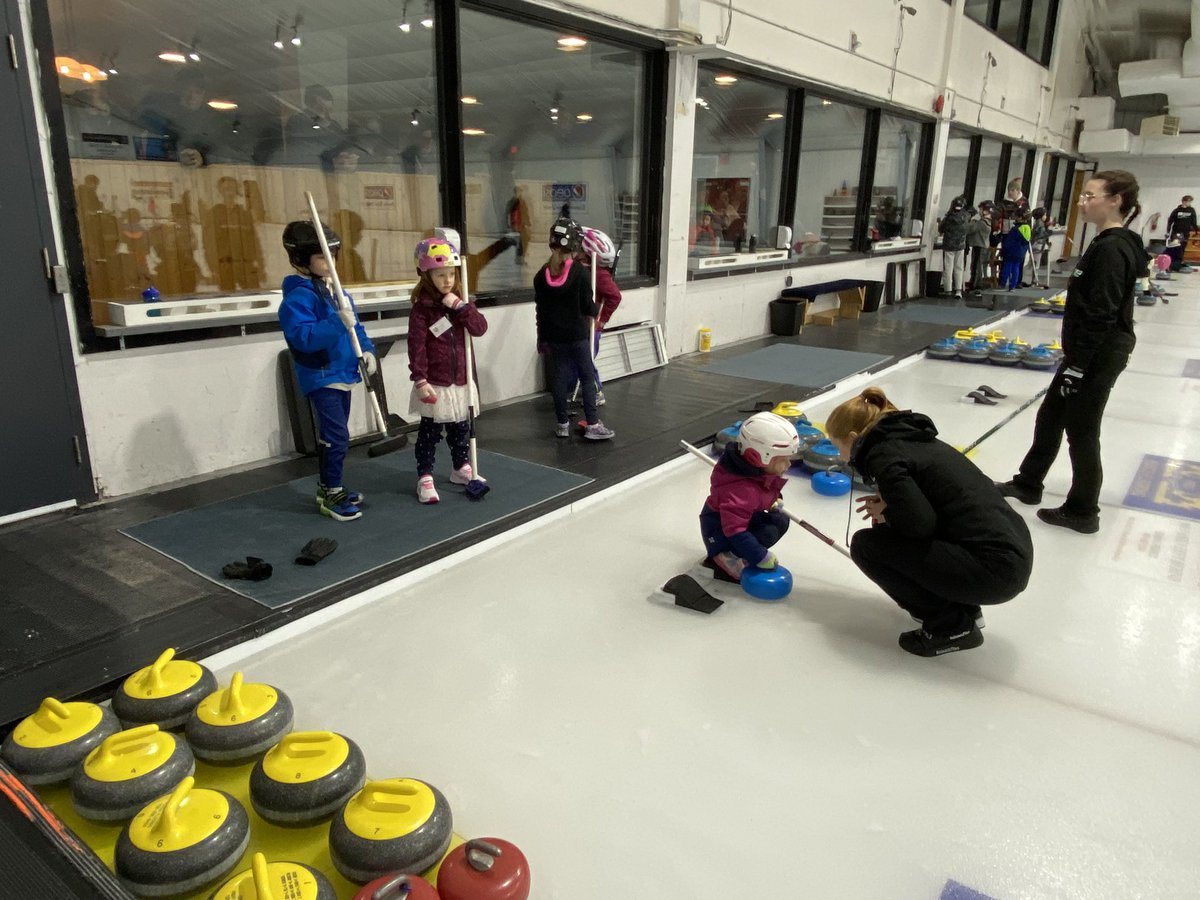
pixel 897 159
pixel 737 160
pixel 1041 25
pixel 1019 162
pixel 552 125
pixel 1027 25
pixel 987 180
pixel 954 176
pixel 1008 22
pixel 190 154
pixel 831 148
pixel 1063 198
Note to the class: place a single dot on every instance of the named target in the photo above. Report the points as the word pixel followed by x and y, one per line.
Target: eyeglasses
pixel 1088 195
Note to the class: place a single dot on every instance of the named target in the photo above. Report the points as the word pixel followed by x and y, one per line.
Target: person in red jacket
pixel 608 296
pixel 740 521
pixel 438 326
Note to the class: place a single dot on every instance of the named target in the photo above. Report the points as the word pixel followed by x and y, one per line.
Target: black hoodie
pixel 933 492
pixel 1099 313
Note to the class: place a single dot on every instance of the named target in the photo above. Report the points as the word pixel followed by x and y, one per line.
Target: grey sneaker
pixel 599 398
pixel 562 429
pixel 598 431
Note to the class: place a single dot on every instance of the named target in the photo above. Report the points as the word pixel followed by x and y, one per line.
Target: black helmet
pixel 301 242
pixel 566 235
pixel 986 206
pixel 1039 213
pixel 958 203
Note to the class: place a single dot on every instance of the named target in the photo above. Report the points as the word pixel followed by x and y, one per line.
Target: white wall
pixel 154 416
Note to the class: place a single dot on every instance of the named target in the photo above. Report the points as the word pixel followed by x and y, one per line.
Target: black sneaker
pixel 1063 517
pixel 1028 496
pixel 922 643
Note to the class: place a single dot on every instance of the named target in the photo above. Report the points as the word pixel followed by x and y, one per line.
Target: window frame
pixel 1024 20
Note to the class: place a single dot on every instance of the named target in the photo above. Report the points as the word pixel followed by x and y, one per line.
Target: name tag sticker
pixel 440 327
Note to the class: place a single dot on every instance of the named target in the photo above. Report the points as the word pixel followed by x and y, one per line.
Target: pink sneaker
pixel 463 475
pixel 426 492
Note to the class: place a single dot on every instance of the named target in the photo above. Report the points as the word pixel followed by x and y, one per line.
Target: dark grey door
pixel 43 455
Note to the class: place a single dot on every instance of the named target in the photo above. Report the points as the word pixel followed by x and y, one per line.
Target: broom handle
pixel 811 529
pixel 340 299
pixel 471 393
pixel 595 319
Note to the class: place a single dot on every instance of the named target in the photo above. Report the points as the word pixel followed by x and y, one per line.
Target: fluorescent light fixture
pixel 222 104
pixel 827 103
pixel 405 27
pixel 584 117
pixel 570 42
pixel 725 79
pixel 172 56
pixel 427 22
pixel 775 115
pixel 470 101
pixel 474 132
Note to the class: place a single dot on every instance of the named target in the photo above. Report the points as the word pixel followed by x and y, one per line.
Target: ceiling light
pixel 584 117
pixel 405 27
pixel 725 79
pixel 470 101
pixel 415 120
pixel 222 104
pixel 427 22
pixel 278 36
pixel 700 101
pixel 172 57
pixel 113 72
pixel 193 54
pixel 827 103
pixel 295 37
pixel 570 43
pixel 775 115
pixel 554 110
pixel 474 132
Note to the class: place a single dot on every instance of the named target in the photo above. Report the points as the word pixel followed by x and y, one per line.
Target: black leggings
pixel 941 583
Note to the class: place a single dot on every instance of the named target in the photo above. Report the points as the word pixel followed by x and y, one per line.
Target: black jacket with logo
pixel 1099 313
pixel 1181 222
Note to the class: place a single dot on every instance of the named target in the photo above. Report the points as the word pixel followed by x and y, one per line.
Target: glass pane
pixel 1039 24
pixel 190 153
pixel 737 161
pixel 1008 25
pixel 550 129
pixel 954 177
pixel 1016 168
pixel 1062 199
pixel 977 10
pixel 831 149
pixel 895 177
pixel 989 170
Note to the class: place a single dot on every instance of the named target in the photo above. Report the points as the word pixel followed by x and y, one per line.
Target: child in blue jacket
pixel 316 329
pixel 1012 252
pixel 740 521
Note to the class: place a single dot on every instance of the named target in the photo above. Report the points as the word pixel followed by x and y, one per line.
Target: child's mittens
pixel 427 393
pixel 451 300
pixel 769 561
pixel 370 361
pixel 347 317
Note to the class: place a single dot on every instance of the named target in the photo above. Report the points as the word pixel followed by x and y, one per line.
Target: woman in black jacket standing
pixel 1097 338
pixel 943 540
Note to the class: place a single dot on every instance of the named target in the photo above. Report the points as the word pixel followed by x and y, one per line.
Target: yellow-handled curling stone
pixel 163 693
pixel 238 723
pixel 47 747
pixel 276 881
pixel 306 777
pixel 395 825
pixel 181 842
pixel 127 771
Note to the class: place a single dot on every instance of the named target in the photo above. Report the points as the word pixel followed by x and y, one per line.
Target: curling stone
pixel 809 435
pixel 47 747
pixel 1008 353
pixel 724 436
pixel 1039 358
pixel 396 825
pixel 767 584
pixel 790 410
pixel 127 771
pixel 484 869
pixel 943 348
pixel 822 456
pixel 165 692
pixel 280 881
pixel 398 887
pixel 975 351
pixel 1058 305
pixel 181 842
pixel 238 723
pixel 1055 348
pixel 306 777
pixel 831 483
pixel 1041 305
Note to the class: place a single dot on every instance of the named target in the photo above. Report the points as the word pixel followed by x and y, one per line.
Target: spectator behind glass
pixel 182 116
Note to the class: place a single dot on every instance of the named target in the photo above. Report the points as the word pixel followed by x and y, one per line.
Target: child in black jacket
pixel 562 297
pixel 943 540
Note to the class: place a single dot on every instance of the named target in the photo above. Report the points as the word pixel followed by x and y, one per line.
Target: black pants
pixel 1079 418
pixel 941 583
pixel 979 257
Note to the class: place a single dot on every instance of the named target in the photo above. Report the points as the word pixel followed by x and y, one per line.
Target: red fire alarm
pixel 939 103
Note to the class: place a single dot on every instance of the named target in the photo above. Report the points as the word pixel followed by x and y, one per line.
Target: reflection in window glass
pixel 1039 25
pixel 827 188
pixel 989 170
pixel 1016 167
pixel 977 10
pixel 549 129
pixel 954 177
pixel 189 160
pixel 896 164
pixel 1062 198
pixel 737 161
pixel 1008 24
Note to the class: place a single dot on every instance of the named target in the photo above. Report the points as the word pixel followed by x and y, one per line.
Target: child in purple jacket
pixel 739 520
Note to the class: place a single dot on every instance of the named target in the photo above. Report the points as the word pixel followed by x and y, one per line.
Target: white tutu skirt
pixel 451 405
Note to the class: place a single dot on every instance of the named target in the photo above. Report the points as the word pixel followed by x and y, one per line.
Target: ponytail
pixel 1122 184
pixel 858 414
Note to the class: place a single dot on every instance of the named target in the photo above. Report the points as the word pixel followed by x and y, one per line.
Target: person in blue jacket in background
pixel 317 331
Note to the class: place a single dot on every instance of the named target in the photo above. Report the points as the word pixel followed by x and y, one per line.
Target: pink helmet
pixel 435 253
pixel 597 242
pixel 1162 262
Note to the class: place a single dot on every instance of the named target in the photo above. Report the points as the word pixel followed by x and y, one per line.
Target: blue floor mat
pixel 274 524
pixel 794 364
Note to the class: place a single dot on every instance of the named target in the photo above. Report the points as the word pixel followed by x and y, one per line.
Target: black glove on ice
pixel 315 551
pixel 253 569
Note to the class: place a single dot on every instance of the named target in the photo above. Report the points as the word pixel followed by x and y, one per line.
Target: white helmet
pixel 765 436
pixel 597 242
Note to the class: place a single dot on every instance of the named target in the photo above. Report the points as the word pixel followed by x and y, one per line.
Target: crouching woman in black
pixel 943 540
